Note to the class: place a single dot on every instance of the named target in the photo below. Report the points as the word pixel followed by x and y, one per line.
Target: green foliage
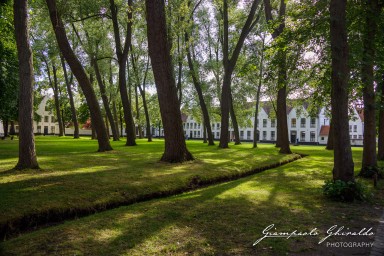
pixel 339 190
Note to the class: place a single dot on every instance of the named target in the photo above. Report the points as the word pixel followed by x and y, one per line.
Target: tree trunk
pixel 330 143
pixel 380 153
pixel 12 130
pixel 122 56
pixel 369 163
pixel 81 76
pixel 71 101
pixel 258 96
pixel 282 128
pixel 94 134
pixel 234 123
pixel 104 97
pixel 5 127
pixel 343 162
pixel 229 64
pixel 27 153
pixel 159 51
pixel 107 125
pixel 197 84
pixel 57 101
pixel 204 133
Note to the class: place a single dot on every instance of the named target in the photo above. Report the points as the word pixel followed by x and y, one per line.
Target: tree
pixel 343 163
pixel 159 52
pixel 81 76
pixel 281 115
pixel 369 163
pixel 27 152
pixel 71 101
pixel 122 57
pixel 229 63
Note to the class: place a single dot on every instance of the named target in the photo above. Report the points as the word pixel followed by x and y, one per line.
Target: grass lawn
pixel 77 179
pixel 224 219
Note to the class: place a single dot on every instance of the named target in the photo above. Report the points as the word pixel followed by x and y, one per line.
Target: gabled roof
pixel 324 130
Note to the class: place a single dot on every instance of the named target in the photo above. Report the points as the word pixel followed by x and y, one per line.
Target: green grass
pixel 74 176
pixel 224 219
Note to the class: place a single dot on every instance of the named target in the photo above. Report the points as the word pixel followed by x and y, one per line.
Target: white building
pixel 302 128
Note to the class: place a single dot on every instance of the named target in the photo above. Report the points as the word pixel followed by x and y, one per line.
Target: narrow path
pixel 378 245
pixel 52 217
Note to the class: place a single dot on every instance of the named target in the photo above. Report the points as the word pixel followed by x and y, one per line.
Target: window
pixel 187 125
pixel 302 123
pixel 194 134
pixel 355 128
pixel 218 134
pixel 272 135
pixel 38 129
pixel 264 122
pixel 350 136
pixel 312 136
pixel 52 119
pixel 360 137
pixel 273 123
pixel 198 126
pixel 218 125
pixel 350 128
pixel 248 135
pixel 198 133
pixel 313 122
pixel 355 136
pixel 241 134
pixel 53 129
pixel 264 135
pixel 293 122
pixel 46 119
pixel 195 126
pixel 302 136
pixel 322 138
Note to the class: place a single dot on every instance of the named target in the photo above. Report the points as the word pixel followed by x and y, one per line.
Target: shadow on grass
pixel 224 219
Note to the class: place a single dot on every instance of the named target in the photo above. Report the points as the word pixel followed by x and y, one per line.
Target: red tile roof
pixel 324 131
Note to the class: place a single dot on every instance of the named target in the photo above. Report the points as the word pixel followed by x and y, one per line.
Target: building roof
pixel 324 130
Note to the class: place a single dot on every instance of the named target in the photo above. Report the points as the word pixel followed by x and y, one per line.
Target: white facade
pixel 302 128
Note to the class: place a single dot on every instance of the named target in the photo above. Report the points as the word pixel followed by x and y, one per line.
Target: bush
pixel 339 190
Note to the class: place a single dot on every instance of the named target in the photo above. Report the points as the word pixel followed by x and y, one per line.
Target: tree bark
pixel 104 97
pixel 229 64
pixel 369 161
pixel 81 76
pixel 343 163
pixel 282 128
pixel 380 153
pixel 258 96
pixel 159 51
pixel 197 84
pixel 122 56
pixel 27 152
pixel 330 142
pixel 5 128
pixel 57 101
pixel 71 101
pixel 234 123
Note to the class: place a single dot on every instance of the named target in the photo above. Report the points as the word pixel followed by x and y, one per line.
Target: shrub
pixel 339 190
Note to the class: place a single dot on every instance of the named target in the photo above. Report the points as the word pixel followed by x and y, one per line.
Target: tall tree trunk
pixel 94 134
pixel 282 106
pixel 258 99
pixel 235 125
pixel 180 70
pixel 343 163
pixel 204 132
pixel 282 139
pixel 104 97
pixel 27 153
pixel 71 101
pixel 197 84
pixel 159 51
pixel 114 109
pixel 122 56
pixel 107 125
pixel 330 142
pixel 380 153
pixel 369 163
pixel 57 101
pixel 229 65
pixel 81 76
pixel 12 130
pixel 5 127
